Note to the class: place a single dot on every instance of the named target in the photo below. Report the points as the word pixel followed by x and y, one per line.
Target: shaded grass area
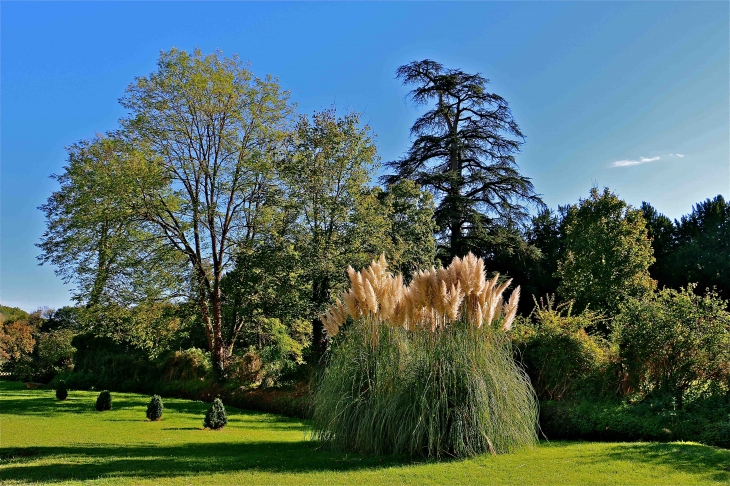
pixel 47 441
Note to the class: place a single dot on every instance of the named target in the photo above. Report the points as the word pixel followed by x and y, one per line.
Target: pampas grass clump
pixel 424 370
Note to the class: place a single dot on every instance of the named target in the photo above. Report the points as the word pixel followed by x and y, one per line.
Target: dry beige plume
pixel 433 300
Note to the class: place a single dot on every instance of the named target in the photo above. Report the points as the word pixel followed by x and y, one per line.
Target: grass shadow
pixel 684 457
pixel 160 461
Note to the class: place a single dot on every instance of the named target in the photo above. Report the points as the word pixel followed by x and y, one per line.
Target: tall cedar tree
pixel 463 151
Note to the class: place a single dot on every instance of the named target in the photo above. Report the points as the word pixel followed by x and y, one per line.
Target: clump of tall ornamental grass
pixel 424 369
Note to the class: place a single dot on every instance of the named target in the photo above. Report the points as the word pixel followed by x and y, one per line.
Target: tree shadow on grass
pixel 158 461
pixel 684 457
pixel 49 405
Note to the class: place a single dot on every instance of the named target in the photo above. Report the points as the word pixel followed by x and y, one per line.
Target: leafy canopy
pixel 607 253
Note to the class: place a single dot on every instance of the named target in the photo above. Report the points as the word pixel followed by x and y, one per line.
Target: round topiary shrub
pixel 104 401
pixel 61 392
pixel 154 409
pixel 216 417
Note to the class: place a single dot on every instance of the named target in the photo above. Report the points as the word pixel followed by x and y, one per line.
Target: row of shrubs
pixel 659 370
pixel 215 418
pixel 104 364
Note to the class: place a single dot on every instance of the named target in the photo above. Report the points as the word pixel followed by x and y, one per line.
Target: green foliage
pixel 661 232
pixel 53 353
pixel 104 363
pixel 607 254
pixel 337 219
pixel 673 343
pixel 266 301
pixel 456 392
pixel 104 401
pixel 93 237
pixel 215 418
pixel 411 212
pixel 702 253
pixel 151 327
pixel 545 235
pixel 212 192
pixel 8 315
pixel 282 353
pixel 154 409
pixel 463 150
pixel 706 421
pixel 184 365
pixel 279 353
pixel 560 357
pixel 61 391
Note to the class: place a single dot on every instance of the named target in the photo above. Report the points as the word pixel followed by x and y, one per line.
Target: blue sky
pixel 633 96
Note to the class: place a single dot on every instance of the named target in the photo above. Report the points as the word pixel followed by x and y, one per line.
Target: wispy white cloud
pixel 639 161
pixel 642 160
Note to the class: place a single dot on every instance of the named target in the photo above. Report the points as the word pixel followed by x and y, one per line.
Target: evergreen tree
pixel 104 401
pixel 216 417
pixel 702 255
pixel 61 391
pixel 155 408
pixel 662 234
pixel 464 152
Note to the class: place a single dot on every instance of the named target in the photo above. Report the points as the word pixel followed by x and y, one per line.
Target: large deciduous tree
pixel 210 129
pixel 93 236
pixel 338 218
pixel 607 254
pixel 464 151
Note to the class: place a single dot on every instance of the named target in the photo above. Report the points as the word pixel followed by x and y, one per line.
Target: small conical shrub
pixel 154 409
pixel 61 392
pixel 216 417
pixel 104 402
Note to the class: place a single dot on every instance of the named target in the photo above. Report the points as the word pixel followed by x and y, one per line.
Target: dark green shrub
pixel 453 392
pixel 675 343
pixel 155 407
pixel 216 417
pixel 706 420
pixel 61 392
pixel 560 357
pixel 104 401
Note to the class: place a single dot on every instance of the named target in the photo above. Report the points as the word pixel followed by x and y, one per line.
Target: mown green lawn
pixel 46 441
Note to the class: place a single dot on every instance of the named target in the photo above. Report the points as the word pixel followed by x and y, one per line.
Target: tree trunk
pixel 218 353
pixel 455 192
pixel 320 295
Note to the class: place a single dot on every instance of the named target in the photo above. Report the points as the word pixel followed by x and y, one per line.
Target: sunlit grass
pixel 43 440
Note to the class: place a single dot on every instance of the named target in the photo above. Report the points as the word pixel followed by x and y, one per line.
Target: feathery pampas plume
pixel 433 300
